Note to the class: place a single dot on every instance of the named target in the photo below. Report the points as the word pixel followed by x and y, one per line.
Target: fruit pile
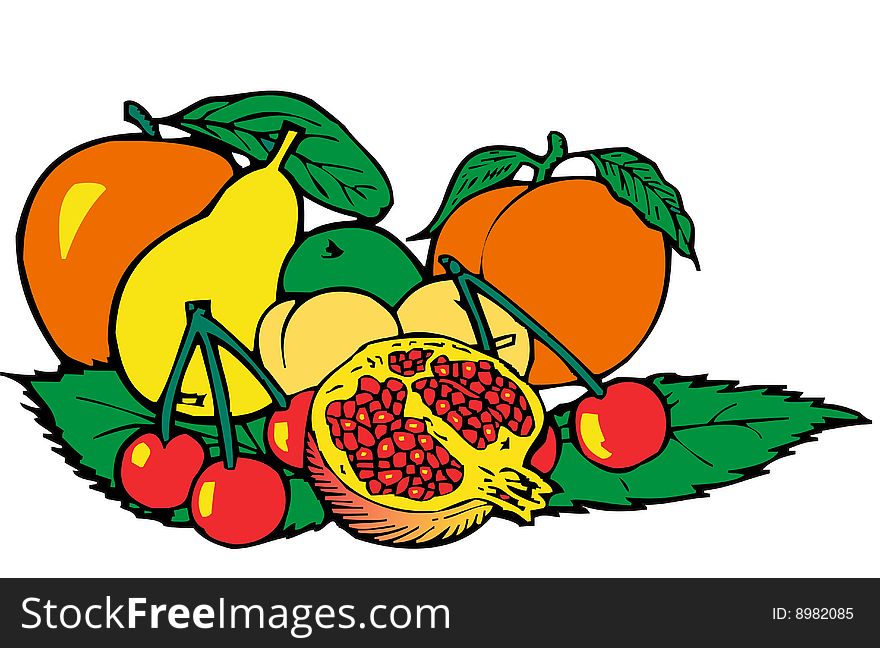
pixel 224 369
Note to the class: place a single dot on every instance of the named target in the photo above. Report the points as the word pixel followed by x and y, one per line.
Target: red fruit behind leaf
pixel 286 430
pixel 546 453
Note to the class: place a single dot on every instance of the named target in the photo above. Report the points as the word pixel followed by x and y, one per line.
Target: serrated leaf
pixel 636 181
pixel 480 171
pixel 327 162
pixel 91 415
pixel 720 434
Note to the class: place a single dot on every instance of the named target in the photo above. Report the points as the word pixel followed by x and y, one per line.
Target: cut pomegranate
pixel 475 400
pixel 389 451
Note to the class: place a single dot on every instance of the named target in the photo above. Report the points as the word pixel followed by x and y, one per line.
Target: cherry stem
pixel 469 286
pixel 220 391
pixel 205 331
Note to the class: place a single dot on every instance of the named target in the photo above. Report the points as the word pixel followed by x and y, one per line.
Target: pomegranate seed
pixel 386 398
pixel 415 492
pixel 364 475
pixel 470 435
pixel 402 485
pixel 386 449
pixel 381 416
pixel 404 440
pixel 445 488
pixel 348 409
pixel 349 441
pixel 454 474
pixel 442 455
pixel 334 409
pixel 398 460
pixel 526 428
pixel 417 457
pixel 380 430
pixel 369 384
pixel 415 426
pixel 390 476
pixel 426 441
pixel 365 437
pixel 374 486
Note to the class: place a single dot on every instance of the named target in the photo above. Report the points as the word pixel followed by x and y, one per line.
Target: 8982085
pixel 824 614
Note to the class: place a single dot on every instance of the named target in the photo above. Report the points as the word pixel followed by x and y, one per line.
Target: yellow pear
pixel 231 257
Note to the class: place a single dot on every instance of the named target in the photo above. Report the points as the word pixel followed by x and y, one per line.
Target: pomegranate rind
pixel 494 475
pixel 387 525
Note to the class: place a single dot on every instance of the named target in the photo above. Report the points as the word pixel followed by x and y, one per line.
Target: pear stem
pixel 469 284
pixel 280 152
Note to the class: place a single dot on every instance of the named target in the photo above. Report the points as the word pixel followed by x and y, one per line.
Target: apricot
pixel 436 308
pixel 582 264
pixel 90 215
pixel 300 344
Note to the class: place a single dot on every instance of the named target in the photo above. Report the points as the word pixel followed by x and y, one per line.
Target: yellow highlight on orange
pixel 76 203
pixel 206 499
pixel 140 454
pixel 281 433
pixel 591 433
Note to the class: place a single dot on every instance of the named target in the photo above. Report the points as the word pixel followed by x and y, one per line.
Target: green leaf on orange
pixel 478 172
pixel 330 166
pixel 636 181
pixel 721 433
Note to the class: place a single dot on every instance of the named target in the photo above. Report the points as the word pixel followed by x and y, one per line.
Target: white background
pixel 763 116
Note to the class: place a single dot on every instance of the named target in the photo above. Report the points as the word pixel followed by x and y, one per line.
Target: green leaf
pixel 327 162
pixel 480 171
pixel 636 181
pixel 721 433
pixel 304 509
pixel 92 414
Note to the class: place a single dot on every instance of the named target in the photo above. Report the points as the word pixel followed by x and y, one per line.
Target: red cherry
pixel 239 506
pixel 160 476
pixel 622 429
pixel 286 431
pixel 544 455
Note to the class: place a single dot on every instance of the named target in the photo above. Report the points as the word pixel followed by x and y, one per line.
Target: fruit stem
pixel 202 328
pixel 220 392
pixel 218 332
pixel 181 360
pixel 279 153
pixel 556 151
pixel 136 114
pixel 468 284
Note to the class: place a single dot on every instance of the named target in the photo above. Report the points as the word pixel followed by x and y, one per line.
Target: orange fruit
pixel 582 264
pixel 90 215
